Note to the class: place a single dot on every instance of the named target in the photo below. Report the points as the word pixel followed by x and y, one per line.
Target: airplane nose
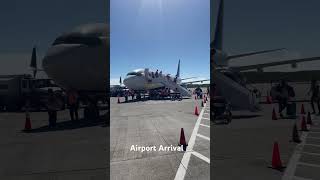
pixel 127 81
pixel 56 53
pixel 133 82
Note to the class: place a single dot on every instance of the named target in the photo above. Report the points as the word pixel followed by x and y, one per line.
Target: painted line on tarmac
pixel 181 172
pixel 201 156
pixel 206 119
pixel 206 113
pixel 293 162
pixel 315 145
pixel 311 154
pixel 314 128
pixel 312 137
pixel 312 132
pixel 309 164
pixel 300 178
pixel 204 137
pixel 205 125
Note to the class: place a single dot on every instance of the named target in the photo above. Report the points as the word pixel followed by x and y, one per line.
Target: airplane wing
pixel 188 78
pixel 253 77
pixel 253 53
pixel 190 82
pixel 270 64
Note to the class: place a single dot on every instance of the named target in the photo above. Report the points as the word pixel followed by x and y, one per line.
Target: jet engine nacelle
pixel 219 57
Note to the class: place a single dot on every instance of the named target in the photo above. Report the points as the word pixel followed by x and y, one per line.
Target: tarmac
pixel 243 149
pixel 72 150
pixel 155 123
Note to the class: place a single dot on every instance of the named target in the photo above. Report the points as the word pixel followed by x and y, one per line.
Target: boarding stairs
pixel 238 96
pixel 168 82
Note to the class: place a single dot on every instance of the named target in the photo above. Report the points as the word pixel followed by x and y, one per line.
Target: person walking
pixel 285 92
pixel 73 103
pixel 314 89
pixel 52 105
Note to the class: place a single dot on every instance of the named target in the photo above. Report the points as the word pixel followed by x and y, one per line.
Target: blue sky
pixel 157 33
pixel 260 25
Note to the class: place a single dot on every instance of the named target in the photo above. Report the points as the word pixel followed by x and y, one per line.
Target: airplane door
pixel 147 75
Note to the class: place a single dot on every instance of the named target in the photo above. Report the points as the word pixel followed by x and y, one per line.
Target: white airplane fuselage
pixel 136 80
pixel 78 59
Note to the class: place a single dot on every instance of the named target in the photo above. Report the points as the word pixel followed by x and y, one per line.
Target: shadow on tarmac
pixel 75 124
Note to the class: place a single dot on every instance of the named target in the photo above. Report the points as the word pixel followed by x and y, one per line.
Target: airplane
pixel 78 60
pixel 232 81
pixel 144 80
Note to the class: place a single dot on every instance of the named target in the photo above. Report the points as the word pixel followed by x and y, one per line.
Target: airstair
pixel 238 96
pixel 168 82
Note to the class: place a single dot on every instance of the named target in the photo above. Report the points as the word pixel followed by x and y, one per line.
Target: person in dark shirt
pixel 73 102
pixel 314 89
pixel 285 92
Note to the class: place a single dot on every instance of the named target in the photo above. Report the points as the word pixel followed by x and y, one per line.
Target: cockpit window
pixel 73 39
pixel 134 74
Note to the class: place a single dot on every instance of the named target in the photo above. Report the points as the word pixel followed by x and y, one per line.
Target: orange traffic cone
pixel 304 124
pixel 183 140
pixel 196 112
pixel 276 161
pixel 118 100
pixel 309 121
pixel 302 109
pixel 295 134
pixel 27 124
pixel 274 115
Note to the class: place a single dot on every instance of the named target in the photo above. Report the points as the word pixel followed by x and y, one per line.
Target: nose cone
pixel 134 82
pixel 77 66
pixel 57 62
pixel 56 56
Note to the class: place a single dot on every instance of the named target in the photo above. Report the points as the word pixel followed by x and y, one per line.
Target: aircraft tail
pixel 33 62
pixel 218 36
pixel 178 70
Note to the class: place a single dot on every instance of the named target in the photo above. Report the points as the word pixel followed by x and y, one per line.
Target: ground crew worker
pixel 73 103
pixel 52 108
pixel 198 91
pixel 286 92
pixel 157 74
pixel 314 89
pixel 132 95
pixel 126 94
